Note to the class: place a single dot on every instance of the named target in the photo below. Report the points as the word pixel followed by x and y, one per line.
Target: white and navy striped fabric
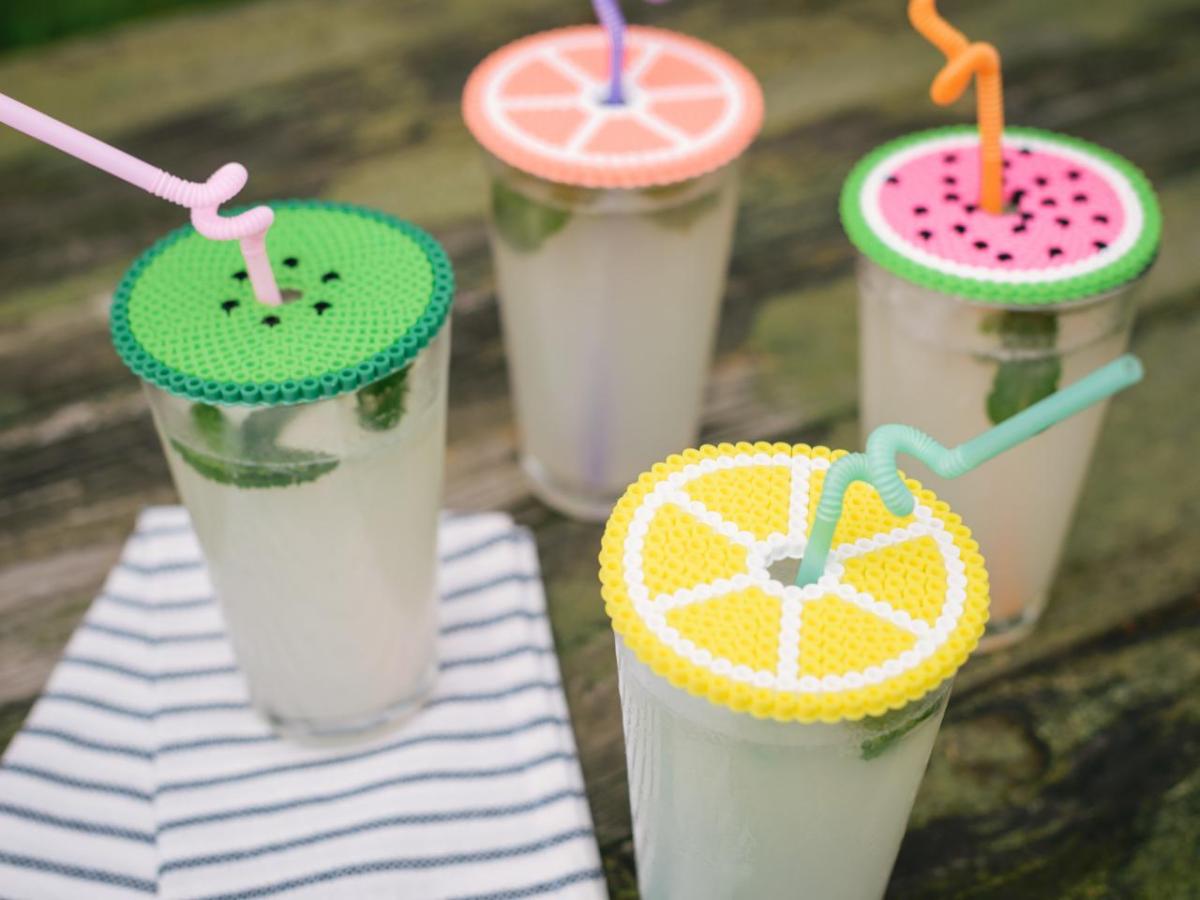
pixel 143 772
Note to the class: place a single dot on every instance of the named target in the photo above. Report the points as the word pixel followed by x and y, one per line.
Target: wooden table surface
pixel 1068 767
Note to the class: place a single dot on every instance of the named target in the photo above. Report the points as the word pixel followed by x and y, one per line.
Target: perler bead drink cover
pixel 1080 220
pixel 539 104
pixel 364 293
pixel 689 572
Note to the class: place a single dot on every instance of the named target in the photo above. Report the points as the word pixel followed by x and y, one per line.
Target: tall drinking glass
pixel 775 735
pixel 965 319
pixel 306 441
pixel 611 225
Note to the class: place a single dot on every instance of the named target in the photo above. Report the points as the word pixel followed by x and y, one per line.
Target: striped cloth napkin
pixel 143 771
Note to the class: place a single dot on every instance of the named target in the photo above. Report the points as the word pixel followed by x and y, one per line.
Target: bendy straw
pixel 203 200
pixel 877 466
pixel 609 14
pixel 964 60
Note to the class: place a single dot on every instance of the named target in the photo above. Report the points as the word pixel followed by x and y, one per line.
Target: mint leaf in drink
pixel 289 467
pixel 381 404
pixel 210 424
pixel 523 223
pixel 1020 383
pixel 892 726
pixel 683 216
pixel 257 438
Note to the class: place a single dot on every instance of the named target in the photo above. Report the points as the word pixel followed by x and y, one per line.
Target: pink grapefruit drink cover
pixel 540 104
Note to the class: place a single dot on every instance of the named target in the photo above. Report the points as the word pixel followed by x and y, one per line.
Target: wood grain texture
pixel 1068 767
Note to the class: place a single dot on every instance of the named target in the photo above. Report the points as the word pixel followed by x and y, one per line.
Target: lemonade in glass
pixel 776 735
pixel 967 318
pixel 306 440
pixel 611 225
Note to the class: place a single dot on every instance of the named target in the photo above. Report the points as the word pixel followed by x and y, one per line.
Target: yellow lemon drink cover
pixel 306 441
pixel 776 735
pixel 686 572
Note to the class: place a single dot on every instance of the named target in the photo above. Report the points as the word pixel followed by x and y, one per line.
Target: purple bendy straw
pixel 609 14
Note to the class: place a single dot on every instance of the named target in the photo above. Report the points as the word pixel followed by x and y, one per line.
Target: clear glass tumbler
pixel 609 302
pixel 954 368
pixel 728 805
pixel 318 522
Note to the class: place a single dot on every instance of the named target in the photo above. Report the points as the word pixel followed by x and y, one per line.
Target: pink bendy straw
pixel 203 200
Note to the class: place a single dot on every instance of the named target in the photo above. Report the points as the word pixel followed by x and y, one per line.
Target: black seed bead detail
pixel 950 158
pixel 1049 201
pixel 330 276
pixel 321 305
pixel 1041 181
pixel 1004 257
pixel 951 198
pixel 960 228
pixel 270 321
pixel 919 210
pixel 1099 245
pixel 1055 251
pixel 241 276
pixel 1019 229
pixel 981 245
pixel 1080 198
pixel 925 234
pixel 229 306
pixel 291 262
pixel 1063 221
pixel 892 179
pixel 1101 218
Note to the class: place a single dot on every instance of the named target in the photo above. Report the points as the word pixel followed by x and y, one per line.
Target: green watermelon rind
pixel 1126 268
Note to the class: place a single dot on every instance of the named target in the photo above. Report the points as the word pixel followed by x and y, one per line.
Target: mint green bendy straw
pixel 877 466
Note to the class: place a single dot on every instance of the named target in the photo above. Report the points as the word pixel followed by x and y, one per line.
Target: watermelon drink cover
pixel 968 316
pixel 788 624
pixel 613 203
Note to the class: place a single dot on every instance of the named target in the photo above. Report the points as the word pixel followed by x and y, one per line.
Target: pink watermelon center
pixel 1062 211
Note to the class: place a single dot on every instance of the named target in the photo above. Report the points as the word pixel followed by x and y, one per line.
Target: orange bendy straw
pixel 965 59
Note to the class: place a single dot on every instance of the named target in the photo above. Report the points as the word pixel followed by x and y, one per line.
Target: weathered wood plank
pixel 1080 772
pixel 1069 766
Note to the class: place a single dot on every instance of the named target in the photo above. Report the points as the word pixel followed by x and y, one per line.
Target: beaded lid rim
pixel 272 392
pixel 1126 268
